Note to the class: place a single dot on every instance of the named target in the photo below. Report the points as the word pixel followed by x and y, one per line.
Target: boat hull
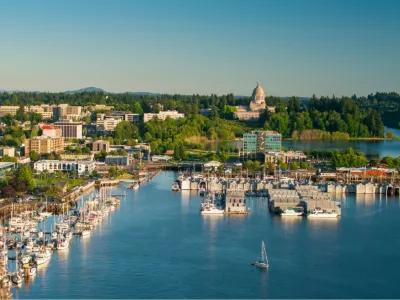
pixel 322 216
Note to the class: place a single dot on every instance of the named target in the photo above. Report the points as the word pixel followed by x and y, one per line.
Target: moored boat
pixel 318 213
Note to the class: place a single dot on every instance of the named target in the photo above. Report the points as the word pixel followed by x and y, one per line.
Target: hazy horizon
pixel 210 47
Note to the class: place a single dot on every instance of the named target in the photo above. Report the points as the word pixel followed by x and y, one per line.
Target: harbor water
pixel 157 245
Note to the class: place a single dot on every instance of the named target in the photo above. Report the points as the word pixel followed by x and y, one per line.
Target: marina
pixel 206 256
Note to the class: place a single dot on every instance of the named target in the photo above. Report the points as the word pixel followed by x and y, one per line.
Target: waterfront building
pixel 117 160
pixel 163 158
pixel 51 131
pixel 10 151
pixel 100 145
pixel 256 107
pixel 70 129
pixel 66 166
pixel 257 143
pixel 44 145
pixel 286 157
pixel 235 201
pixel 371 171
pixel 11 110
pixel 162 115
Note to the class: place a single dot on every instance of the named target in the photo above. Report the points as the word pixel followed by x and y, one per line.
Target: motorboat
pixel 176 187
pixel 292 212
pixel 318 213
pixel 263 262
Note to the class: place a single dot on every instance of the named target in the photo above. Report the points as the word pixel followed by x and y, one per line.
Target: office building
pixel 107 124
pixel 162 115
pixel 257 143
pixel 100 145
pixel 117 160
pixel 64 111
pixel 70 129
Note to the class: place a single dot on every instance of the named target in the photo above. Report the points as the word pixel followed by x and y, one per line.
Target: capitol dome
pixel 258 94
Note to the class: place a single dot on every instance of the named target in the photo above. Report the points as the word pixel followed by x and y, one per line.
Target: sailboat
pixel 263 263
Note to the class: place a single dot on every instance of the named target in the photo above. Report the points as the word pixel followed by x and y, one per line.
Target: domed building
pixel 257 105
pixel 258 98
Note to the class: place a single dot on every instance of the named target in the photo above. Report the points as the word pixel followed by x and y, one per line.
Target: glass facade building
pixel 261 142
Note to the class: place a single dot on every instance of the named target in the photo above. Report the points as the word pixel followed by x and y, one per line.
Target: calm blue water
pixel 157 245
pixel 371 149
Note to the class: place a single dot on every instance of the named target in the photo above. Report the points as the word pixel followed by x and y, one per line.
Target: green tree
pixel 24 174
pixel 86 150
pixel 33 155
pixel 125 130
pixel 389 134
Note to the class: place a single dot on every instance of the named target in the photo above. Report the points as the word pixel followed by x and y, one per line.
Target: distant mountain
pixel 86 89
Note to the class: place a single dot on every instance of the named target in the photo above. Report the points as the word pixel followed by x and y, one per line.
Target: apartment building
pixel 44 145
pixel 10 151
pixel 12 110
pixel 65 166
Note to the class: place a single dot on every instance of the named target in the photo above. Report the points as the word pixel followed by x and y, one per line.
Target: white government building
pixel 64 165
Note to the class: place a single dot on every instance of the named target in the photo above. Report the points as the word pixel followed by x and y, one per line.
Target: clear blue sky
pixel 223 46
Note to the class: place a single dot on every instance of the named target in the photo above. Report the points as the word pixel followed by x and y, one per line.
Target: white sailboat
pixel 263 262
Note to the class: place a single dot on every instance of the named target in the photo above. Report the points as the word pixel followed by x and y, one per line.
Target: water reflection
pixel 28 281
pixel 263 273
pixel 63 255
pixel 331 223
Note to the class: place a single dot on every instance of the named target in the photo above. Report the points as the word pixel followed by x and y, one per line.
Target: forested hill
pixel 354 116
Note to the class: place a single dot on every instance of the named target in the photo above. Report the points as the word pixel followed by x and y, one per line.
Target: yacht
pixel 212 210
pixel 208 206
pixel 85 233
pixel 292 212
pixel 43 257
pixel 318 213
pixel 62 244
